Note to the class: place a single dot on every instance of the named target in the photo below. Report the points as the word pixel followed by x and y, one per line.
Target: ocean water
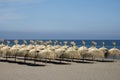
pixel 108 43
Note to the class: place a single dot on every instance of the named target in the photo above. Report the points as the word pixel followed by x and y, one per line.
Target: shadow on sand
pixel 77 61
pixel 105 60
pixel 85 62
pixel 22 63
pixel 57 62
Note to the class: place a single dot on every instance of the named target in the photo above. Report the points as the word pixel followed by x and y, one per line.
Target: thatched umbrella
pixel 65 46
pixel 16 41
pixel 83 50
pixel 23 52
pixel 8 42
pixel 40 42
pixel 114 51
pixel 33 53
pixel 60 43
pixel 16 45
pixel 2 43
pixel 47 54
pixel 4 51
pixel 25 42
pixel 13 51
pixel 59 53
pixel 104 50
pixel 72 52
pixel 32 42
pixel 95 53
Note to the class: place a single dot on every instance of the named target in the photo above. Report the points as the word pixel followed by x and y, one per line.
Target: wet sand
pixel 74 71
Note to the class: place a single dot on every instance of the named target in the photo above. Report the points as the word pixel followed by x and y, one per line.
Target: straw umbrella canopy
pixel 95 53
pixel 16 44
pixel 8 42
pixel 31 45
pixel 83 50
pixel 16 41
pixel 22 52
pixel 73 44
pixel 56 45
pixel 92 48
pixel 114 51
pixel 60 43
pixel 40 42
pixel 13 51
pixel 65 46
pixel 33 53
pixel 47 53
pixel 104 50
pixel 59 52
pixel 72 52
pixel 25 42
pixel 32 42
pixel 4 51
pixel 2 43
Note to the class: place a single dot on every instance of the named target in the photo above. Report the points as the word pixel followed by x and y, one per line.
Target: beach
pixel 50 71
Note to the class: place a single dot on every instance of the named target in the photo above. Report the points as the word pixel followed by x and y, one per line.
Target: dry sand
pixel 75 71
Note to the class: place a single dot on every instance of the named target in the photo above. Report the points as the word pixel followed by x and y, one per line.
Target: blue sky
pixel 60 19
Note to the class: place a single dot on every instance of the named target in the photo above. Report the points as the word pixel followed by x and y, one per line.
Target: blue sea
pixel 108 43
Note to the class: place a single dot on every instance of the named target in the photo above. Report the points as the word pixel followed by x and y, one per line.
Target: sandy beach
pixel 73 71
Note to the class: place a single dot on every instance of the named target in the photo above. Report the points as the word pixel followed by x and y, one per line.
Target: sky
pixel 60 19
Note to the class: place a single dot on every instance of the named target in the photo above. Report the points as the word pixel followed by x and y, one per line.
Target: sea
pixel 108 43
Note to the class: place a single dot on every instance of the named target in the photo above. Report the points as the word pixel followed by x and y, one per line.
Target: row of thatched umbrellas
pixel 45 50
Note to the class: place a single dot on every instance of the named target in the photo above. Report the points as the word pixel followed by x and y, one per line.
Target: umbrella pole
pixel 102 59
pixel 83 58
pixel 60 59
pixel 71 59
pixel 15 57
pixel 113 58
pixel 35 59
pixel 93 58
pixel 46 60
pixel 6 57
pixel 25 58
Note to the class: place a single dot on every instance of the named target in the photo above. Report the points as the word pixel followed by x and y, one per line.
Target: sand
pixel 75 71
